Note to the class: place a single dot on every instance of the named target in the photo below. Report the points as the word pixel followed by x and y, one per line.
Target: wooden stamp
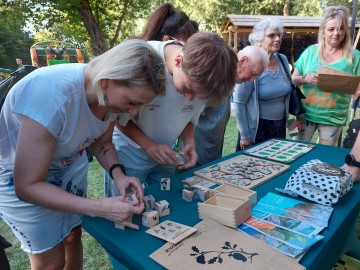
pixel 165 183
pixel 131 198
pixel 202 193
pixel 149 202
pixel 188 195
pixel 150 218
pixel 163 208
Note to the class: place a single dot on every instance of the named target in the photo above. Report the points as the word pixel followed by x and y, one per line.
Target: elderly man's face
pixel 248 71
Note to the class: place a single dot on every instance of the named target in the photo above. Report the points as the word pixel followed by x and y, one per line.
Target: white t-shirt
pixel 55 97
pixel 162 120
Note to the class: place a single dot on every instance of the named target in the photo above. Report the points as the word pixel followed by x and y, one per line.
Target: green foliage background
pixel 24 22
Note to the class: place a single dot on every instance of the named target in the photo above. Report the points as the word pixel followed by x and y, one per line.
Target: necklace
pixel 273 73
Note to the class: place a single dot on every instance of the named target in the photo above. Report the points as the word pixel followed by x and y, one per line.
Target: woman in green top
pixel 326 111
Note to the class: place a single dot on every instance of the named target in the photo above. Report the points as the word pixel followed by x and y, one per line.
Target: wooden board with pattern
pixel 245 171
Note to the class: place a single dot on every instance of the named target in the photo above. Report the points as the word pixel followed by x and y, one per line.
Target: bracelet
pixel 116 165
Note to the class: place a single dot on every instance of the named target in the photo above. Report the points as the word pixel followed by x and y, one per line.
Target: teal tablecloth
pixel 132 248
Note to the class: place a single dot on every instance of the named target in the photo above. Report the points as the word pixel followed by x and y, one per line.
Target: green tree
pixel 15 41
pixel 103 23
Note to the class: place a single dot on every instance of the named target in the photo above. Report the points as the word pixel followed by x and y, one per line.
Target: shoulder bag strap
pixel 285 69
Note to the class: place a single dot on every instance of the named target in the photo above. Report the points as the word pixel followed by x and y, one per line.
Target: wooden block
pixel 131 198
pixel 228 211
pixel 150 218
pixel 188 195
pixel 188 182
pixel 165 183
pixel 149 202
pixel 194 180
pixel 202 193
pixel 120 225
pixel 163 208
pixel 242 192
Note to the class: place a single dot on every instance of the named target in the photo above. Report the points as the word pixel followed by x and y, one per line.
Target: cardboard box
pixel 336 81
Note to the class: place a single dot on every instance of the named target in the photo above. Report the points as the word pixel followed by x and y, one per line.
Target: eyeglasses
pixel 273 36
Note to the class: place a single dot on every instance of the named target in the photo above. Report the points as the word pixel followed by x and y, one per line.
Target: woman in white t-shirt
pixel 48 120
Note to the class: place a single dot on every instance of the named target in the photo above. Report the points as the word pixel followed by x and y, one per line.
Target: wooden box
pixel 229 211
pixel 233 191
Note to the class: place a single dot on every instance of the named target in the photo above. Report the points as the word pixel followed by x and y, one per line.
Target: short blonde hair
pixel 132 63
pixel 341 14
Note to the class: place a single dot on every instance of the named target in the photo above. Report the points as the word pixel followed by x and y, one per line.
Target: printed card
pixel 171 231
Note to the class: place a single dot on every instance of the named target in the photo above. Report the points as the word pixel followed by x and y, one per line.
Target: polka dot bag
pixel 319 182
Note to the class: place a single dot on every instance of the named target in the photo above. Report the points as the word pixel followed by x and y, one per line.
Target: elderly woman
pixel 262 105
pixel 326 111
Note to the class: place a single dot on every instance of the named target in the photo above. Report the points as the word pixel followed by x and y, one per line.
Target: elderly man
pixel 210 130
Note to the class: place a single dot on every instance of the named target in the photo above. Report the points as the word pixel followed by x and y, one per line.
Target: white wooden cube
pixel 131 198
pixel 188 195
pixel 149 202
pixel 163 208
pixel 150 218
pixel 202 193
pixel 165 183
pixel 189 182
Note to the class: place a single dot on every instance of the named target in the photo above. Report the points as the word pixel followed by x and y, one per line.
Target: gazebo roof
pixel 245 23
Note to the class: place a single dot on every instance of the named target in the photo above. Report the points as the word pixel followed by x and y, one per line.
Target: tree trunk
pixel 287 8
pixel 97 40
pixel 118 27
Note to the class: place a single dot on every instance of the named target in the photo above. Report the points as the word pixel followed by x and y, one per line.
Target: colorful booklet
pixel 272 242
pixel 299 226
pixel 299 208
pixel 281 212
pixel 283 235
pixel 279 150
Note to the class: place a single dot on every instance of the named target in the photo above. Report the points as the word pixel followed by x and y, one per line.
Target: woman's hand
pixel 298 123
pixel 245 144
pixel 190 157
pixel 355 172
pixel 126 184
pixel 162 154
pixel 119 209
pixel 311 78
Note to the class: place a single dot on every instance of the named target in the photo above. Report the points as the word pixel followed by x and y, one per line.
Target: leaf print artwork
pixel 228 250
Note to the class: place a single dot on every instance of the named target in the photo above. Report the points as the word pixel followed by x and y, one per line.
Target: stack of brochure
pixel 289 225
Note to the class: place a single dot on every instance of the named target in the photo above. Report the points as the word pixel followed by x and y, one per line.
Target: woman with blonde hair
pixel 326 111
pixel 48 120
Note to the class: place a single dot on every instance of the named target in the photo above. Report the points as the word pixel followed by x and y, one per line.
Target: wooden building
pixel 299 32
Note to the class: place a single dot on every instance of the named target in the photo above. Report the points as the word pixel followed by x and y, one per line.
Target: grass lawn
pixel 94 255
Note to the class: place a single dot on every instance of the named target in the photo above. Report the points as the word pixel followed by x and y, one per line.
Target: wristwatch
pixel 351 161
